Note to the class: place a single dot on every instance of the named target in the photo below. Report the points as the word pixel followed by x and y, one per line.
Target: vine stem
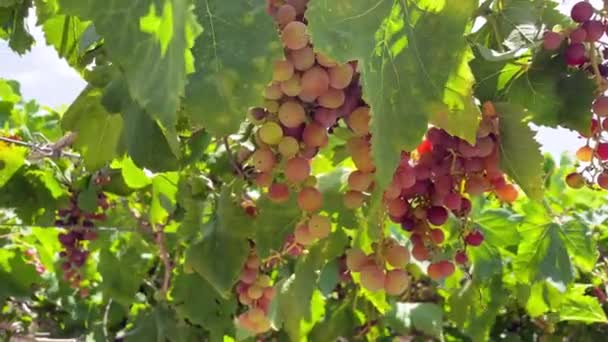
pixel 164 256
pixel 48 150
pixel 235 165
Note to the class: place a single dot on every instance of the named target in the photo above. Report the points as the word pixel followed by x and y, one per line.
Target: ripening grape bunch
pixel 255 292
pixel 437 179
pixel 80 230
pixel 583 49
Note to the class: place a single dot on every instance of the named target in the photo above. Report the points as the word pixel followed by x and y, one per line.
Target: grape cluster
pixel 582 51
pixel 80 231
pixel 383 269
pixel 254 290
pixel 439 177
pixel 308 95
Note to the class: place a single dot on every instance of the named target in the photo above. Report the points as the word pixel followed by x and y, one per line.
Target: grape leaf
pixel 499 227
pixel 330 185
pixel 576 234
pixel 578 307
pixel 134 177
pixel 16 276
pixel 542 255
pixel 164 189
pixel 11 159
pixel 98 131
pixel 220 255
pixel 340 322
pixel 209 310
pixel 406 74
pixel 234 57
pixel 158 324
pixel 64 33
pixel 425 317
pixel 150 41
pixel 13 27
pixel 273 224
pixel 554 94
pixel 520 155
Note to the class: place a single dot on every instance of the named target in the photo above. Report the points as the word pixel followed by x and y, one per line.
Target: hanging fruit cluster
pixel 255 291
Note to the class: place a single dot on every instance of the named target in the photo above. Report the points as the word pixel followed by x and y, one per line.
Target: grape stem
pixel 164 256
pixel 235 165
pixel 48 150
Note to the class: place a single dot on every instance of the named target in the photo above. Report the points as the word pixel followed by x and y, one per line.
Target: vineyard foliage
pixel 293 170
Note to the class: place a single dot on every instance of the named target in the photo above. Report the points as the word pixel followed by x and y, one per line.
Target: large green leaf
pixel 64 33
pixel 16 276
pixel 578 307
pixel 234 58
pixel 164 189
pixel 330 185
pixel 407 74
pixel 150 40
pixel 219 257
pixel 198 302
pixel 499 227
pixel 520 155
pixel 273 224
pixel 581 245
pixel 554 94
pixel 98 131
pixel 425 317
pixel 339 322
pixel 155 325
pixel 11 159
pixel 542 255
pixel 13 28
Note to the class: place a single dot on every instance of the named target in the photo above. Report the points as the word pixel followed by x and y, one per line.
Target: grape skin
pixel 295 35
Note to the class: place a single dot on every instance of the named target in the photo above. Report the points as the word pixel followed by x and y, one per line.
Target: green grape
pixel 292 114
pixel 282 71
pixel 332 98
pixel 292 87
pixel 271 133
pixel 289 147
pixel 273 91
pixel 358 121
pixel 319 226
pixel 325 61
pixel 395 254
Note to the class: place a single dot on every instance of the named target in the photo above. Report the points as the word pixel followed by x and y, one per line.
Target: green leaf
pixel 11 159
pixel 226 83
pixel 487 262
pixel 542 255
pixel 581 245
pixel 340 322
pixel 13 24
pixel 499 227
pixel 134 177
pixel 520 155
pixel 164 189
pixel 554 94
pixel 425 317
pixel 16 276
pixel 155 63
pixel 209 310
pixel 98 131
pixel 156 325
pixel 146 142
pixel 330 185
pixel 578 307
pixel 64 33
pixel 406 74
pixel 273 224
pixel 221 254
pixel 122 286
pixel 87 200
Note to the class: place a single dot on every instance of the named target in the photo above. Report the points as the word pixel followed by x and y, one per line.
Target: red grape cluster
pixel 383 269
pixel 308 94
pixel 254 290
pixel 80 231
pixel 582 50
pixel 429 183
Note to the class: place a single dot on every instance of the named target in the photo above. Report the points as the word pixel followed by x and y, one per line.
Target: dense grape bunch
pixel 255 292
pixel 583 49
pixel 80 230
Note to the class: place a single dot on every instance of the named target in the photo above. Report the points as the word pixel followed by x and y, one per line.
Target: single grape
pixel 600 106
pixel 271 133
pixel 420 252
pixel 302 59
pixel 437 215
pixel 340 76
pixel 474 238
pixel 372 277
pixel 292 87
pixel 269 293
pixel 310 199
pixel 396 255
pixel 437 236
pixel 289 147
pixel 295 35
pixel 315 135
pixel 594 29
pixel 315 81
pixel 255 292
pixel 434 271
pixel 476 185
pixel 319 226
pixel 303 236
pixel 602 151
pixel 360 181
pixel 273 92
pixel 595 127
pixel 278 193
pixel 585 153
pixel 552 40
pixel 575 54
pixel 461 257
pixel 297 169
pixel 358 121
pixel 353 199
pixel 578 35
pixel 292 114
pixel 452 201
pixel 602 180
pixel 263 179
pixel 507 193
pixel 271 106
pixel 326 117
pixel 263 160
pixel 285 14
pixel 299 5
pixel 356 259
pixel 332 98
pixel 581 12
pixel 282 71
pixel 446 268
pixel 307 96
pixel 396 282
pixel 248 276
pixel 575 180
pixel 396 207
pixel 325 61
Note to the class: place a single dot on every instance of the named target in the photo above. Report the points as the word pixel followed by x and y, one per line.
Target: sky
pixel 49 80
